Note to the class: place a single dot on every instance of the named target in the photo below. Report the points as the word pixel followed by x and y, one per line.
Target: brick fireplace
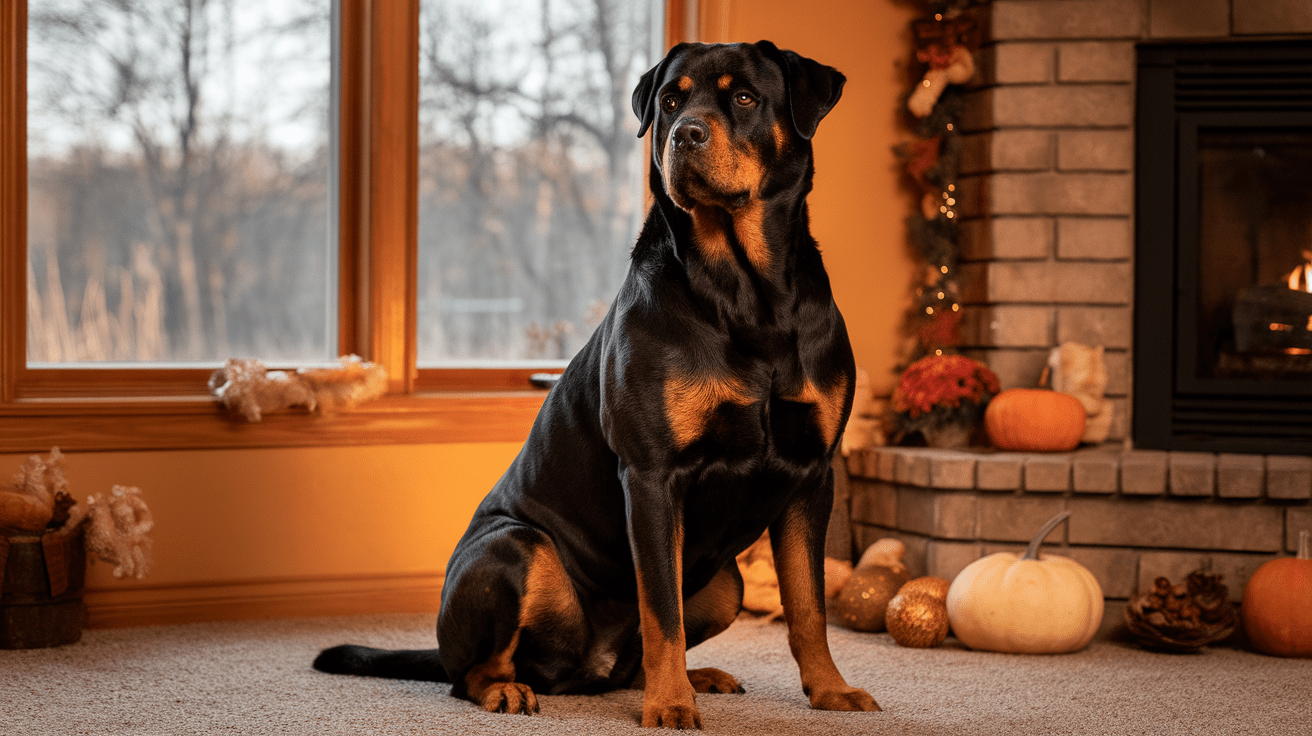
pixel 1047 197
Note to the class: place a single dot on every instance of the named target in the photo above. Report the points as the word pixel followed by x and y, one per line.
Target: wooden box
pixel 41 589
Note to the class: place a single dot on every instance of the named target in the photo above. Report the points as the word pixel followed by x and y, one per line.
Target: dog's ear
pixel 644 95
pixel 813 88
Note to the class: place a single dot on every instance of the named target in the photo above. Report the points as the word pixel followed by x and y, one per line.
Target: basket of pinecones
pixel 1182 617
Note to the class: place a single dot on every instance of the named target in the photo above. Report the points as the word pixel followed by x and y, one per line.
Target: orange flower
pixel 943 381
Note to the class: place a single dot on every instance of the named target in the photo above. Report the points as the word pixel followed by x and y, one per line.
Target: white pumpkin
pixel 1026 604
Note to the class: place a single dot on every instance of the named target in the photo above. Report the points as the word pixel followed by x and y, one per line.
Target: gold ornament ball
pixel 930 585
pixel 861 603
pixel 917 619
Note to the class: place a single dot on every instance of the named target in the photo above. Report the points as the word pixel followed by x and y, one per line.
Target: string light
pixel 929 310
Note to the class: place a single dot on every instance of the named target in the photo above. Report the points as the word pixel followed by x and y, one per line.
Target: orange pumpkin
pixel 1277 609
pixel 1034 420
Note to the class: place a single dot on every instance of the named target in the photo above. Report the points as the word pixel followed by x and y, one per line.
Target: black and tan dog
pixel 704 410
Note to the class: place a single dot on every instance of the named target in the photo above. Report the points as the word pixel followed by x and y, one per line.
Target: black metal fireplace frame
pixel 1184 88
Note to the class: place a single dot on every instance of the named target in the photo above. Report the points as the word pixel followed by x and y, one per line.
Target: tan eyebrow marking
pixel 725 81
pixel 685 83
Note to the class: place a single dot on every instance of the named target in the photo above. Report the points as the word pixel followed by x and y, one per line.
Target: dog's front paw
pixel 509 697
pixel 671 716
pixel 852 698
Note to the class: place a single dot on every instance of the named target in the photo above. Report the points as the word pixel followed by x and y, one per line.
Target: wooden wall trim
pixel 199 424
pixel 13 193
pixel 393 198
pixel 301 597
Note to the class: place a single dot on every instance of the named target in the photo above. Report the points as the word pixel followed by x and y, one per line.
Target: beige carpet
pixel 255 678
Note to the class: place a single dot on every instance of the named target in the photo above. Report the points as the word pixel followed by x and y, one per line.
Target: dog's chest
pixel 745 414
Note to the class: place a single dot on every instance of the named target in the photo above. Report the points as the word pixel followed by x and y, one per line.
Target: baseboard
pixel 145 605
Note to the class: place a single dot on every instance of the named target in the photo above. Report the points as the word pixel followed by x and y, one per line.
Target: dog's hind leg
pixel 708 612
pixel 515 587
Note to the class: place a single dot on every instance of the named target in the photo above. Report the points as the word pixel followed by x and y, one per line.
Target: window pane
pixel 178 181
pixel 531 172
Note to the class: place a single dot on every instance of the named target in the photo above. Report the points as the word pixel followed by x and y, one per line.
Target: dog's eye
pixel 744 99
pixel 670 103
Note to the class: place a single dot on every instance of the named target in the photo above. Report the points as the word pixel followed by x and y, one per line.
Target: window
pixel 178 181
pixel 529 193
pixel 461 222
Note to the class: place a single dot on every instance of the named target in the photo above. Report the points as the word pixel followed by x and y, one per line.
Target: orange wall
pixel 232 515
pixel 857 210
pixel 237 515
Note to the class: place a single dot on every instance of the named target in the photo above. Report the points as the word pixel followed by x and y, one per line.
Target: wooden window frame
pixel 95 409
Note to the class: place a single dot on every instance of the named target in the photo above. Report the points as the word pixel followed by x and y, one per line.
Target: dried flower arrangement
pixel 118 525
pixel 942 394
pixel 247 387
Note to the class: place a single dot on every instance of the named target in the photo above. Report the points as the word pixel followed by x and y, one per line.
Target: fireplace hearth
pixel 1223 317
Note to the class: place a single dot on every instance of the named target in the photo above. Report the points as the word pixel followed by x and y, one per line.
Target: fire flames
pixel 1300 279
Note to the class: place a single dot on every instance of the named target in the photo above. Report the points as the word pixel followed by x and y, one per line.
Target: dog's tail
pixel 403 664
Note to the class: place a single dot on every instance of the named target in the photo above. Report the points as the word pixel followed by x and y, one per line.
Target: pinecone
pixel 63 505
pixel 1184 617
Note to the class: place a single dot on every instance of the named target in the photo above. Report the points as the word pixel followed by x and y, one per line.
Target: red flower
pixel 943 381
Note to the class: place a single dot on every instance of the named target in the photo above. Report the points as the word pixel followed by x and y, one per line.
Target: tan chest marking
pixel 708 231
pixel 749 226
pixel 828 404
pixel 690 399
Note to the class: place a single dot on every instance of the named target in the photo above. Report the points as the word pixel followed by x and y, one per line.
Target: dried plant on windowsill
pixel 248 388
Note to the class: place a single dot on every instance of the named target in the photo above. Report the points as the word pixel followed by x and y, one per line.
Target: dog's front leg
pixel 797 541
pixel 656 538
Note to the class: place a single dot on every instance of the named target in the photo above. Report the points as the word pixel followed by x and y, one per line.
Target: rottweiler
pixel 704 410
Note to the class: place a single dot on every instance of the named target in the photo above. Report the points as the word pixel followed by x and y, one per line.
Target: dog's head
pixel 732 121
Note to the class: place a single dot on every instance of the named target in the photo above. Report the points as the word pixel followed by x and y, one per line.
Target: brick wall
pixel 1047 182
pixel 1135 515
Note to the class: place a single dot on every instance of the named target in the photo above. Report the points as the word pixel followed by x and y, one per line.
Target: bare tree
pixel 529 170
pixel 144 91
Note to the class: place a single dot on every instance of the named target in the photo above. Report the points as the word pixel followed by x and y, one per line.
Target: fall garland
pixel 937 387
pixel 945 43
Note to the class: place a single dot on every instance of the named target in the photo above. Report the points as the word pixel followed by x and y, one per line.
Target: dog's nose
pixel 691 133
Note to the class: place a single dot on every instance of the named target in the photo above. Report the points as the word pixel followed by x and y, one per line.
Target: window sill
pixel 197 422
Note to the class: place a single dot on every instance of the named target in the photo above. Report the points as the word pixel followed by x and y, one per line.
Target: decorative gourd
pixel 864 597
pixel 23 512
pixel 886 552
pixel 1031 604
pixel 916 619
pixel 936 588
pixel 861 603
pixel 1277 608
pixel 1034 420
